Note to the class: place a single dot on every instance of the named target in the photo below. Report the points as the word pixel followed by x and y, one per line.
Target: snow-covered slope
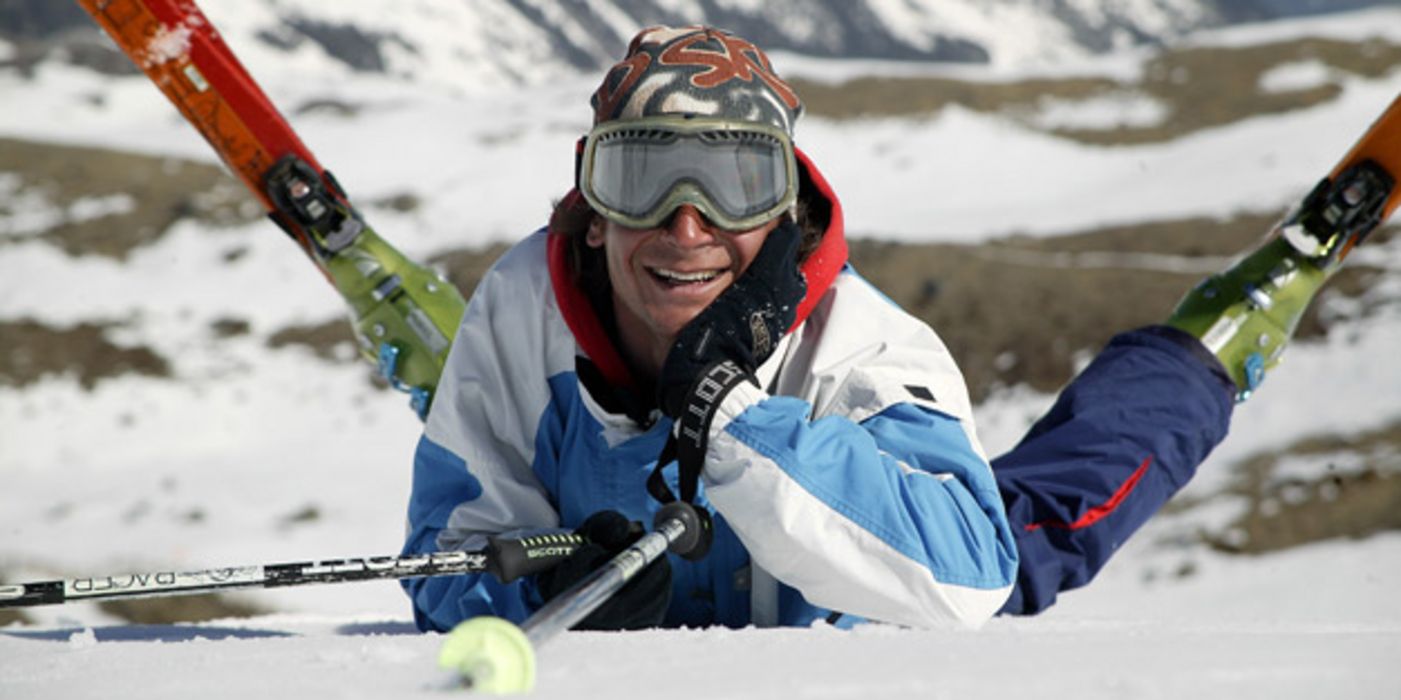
pixel 465 46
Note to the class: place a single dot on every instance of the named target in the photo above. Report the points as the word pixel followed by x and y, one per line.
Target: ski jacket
pixel 851 486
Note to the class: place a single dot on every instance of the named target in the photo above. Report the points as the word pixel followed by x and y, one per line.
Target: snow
pixel 1374 23
pixel 1102 112
pixel 372 659
pixel 950 171
pixel 31 213
pixel 454 47
pixel 511 156
pixel 1240 629
pixel 254 455
pixel 1014 35
pixel 170 44
pixel 1301 75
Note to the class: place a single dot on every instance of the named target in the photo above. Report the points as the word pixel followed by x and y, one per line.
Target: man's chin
pixel 669 322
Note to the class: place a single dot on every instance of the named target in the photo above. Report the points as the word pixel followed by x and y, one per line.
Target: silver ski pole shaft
pixel 491 655
pixel 574 604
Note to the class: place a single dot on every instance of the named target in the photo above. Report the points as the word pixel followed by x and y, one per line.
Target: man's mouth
pixel 679 278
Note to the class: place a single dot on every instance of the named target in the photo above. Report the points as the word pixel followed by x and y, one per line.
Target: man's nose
pixel 688 228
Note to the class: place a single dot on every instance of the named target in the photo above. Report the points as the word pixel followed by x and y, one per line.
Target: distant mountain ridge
pixel 468 43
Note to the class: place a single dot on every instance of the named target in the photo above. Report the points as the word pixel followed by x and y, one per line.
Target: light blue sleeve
pixel 897 518
pixel 958 526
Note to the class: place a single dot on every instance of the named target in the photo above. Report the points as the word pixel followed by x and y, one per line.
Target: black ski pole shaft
pixel 503 557
pixel 575 603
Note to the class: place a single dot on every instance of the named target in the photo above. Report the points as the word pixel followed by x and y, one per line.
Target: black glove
pixel 640 604
pixel 723 346
pixel 743 324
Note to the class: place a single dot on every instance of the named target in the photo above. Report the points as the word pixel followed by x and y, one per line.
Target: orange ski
pixel 404 314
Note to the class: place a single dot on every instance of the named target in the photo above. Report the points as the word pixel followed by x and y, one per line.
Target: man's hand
pixel 743 325
pixel 640 604
pixel 720 348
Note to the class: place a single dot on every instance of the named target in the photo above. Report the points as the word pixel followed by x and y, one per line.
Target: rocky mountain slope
pixel 464 45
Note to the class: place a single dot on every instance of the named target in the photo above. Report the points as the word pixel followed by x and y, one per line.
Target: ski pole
pixel 506 558
pixel 492 655
pixel 575 603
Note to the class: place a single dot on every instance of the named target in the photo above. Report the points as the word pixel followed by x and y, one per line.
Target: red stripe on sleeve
pixel 1103 510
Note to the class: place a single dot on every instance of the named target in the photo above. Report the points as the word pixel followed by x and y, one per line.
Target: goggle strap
pixel 579 163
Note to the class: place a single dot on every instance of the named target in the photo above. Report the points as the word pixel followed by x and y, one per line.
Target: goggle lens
pixel 737 178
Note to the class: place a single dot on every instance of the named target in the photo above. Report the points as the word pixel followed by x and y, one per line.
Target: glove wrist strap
pixel 691 431
pixel 692 428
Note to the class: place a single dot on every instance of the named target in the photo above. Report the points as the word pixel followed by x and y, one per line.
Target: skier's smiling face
pixel 663 277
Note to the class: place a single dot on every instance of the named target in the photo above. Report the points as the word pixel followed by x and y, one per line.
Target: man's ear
pixel 594 236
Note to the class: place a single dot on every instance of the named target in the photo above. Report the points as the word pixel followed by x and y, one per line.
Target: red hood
pixel 819 270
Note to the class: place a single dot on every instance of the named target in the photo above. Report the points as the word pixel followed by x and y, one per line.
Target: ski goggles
pixel 739 175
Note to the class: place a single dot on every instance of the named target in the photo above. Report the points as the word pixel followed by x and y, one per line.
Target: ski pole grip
pixel 509 558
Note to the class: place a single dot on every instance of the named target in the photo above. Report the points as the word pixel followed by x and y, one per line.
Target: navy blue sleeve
pixel 1121 439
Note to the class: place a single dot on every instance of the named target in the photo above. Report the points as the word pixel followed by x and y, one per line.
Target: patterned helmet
pixel 695 70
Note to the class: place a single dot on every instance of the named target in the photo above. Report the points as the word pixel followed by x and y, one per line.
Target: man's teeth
pixel 703 276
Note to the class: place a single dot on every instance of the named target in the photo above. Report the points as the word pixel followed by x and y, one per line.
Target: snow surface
pixel 1301 75
pixel 258 456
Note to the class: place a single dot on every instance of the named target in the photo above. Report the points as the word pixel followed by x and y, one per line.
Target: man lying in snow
pixel 688 324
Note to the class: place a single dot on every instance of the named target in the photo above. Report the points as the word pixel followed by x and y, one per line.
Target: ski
pixel 506 558
pixel 1247 314
pixel 403 314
